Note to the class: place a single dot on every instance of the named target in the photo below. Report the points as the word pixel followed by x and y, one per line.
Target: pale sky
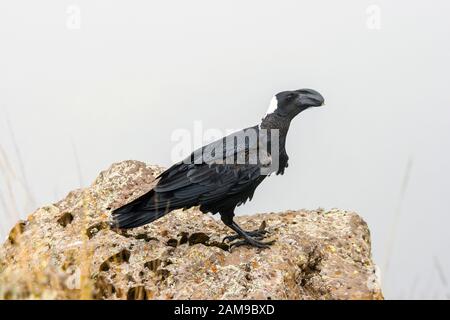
pixel 115 82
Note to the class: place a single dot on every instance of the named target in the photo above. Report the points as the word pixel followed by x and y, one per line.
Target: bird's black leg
pixel 249 238
pixel 257 234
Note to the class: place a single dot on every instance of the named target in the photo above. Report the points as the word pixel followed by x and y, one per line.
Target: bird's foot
pixel 252 242
pixel 250 238
pixel 257 234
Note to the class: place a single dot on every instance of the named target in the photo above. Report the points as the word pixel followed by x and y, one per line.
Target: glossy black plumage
pixel 213 186
pixel 217 181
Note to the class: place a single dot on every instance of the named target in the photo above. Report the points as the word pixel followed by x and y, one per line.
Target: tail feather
pixel 137 213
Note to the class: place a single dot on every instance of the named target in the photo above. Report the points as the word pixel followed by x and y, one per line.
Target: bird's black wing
pixel 216 185
pixel 188 185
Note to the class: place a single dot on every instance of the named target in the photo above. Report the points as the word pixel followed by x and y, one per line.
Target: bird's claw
pixel 250 238
pixel 254 243
pixel 258 234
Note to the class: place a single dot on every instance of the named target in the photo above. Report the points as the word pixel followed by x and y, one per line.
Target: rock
pixel 67 251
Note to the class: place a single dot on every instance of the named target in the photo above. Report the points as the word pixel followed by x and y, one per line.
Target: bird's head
pixel 290 103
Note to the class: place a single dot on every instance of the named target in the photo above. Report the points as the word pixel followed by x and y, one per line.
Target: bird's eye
pixel 290 96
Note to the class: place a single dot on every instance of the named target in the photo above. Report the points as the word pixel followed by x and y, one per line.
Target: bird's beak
pixel 311 98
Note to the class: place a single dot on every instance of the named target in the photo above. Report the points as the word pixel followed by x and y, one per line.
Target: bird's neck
pixel 275 121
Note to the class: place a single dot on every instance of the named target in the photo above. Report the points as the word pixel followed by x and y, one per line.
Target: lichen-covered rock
pixel 67 251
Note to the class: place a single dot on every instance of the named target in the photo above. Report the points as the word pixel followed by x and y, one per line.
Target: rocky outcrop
pixel 67 251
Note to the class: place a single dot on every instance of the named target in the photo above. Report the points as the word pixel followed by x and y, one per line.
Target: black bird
pixel 224 174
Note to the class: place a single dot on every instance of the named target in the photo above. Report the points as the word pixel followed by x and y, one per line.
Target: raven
pixel 224 174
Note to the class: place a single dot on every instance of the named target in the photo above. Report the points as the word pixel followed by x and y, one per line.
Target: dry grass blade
pixel 24 180
pixel 394 227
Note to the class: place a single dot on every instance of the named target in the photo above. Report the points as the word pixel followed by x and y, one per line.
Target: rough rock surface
pixel 67 251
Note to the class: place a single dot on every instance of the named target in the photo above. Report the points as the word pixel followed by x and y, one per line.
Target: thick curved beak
pixel 310 97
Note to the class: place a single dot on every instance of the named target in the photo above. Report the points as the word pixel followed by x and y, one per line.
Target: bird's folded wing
pixel 190 184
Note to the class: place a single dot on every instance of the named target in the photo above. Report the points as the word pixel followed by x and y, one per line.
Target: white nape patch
pixel 273 105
